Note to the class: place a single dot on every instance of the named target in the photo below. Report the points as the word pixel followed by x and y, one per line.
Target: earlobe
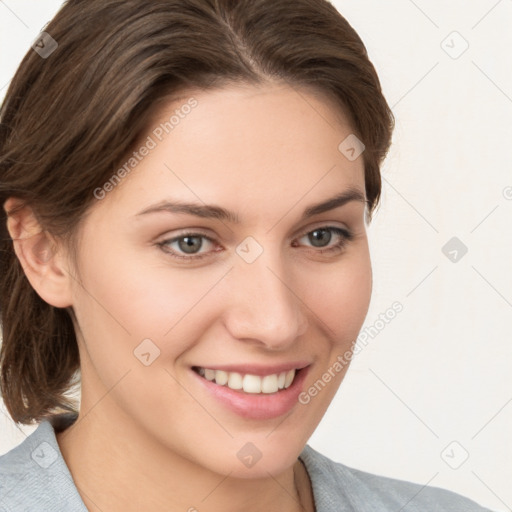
pixel 41 257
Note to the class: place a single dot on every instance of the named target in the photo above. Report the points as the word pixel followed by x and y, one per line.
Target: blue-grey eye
pixel 190 244
pixel 320 237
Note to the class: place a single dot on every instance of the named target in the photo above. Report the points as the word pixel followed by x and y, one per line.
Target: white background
pixel 441 370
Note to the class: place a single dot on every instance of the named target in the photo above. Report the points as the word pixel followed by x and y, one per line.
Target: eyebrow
pixel 208 211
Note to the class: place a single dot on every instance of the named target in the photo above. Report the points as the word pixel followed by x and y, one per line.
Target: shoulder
pixel 338 487
pixel 34 476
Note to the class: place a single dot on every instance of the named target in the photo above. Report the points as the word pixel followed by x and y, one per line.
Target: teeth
pixel 269 384
pixel 289 378
pixel 235 381
pixel 252 384
pixel 209 374
pixel 221 378
pixel 249 383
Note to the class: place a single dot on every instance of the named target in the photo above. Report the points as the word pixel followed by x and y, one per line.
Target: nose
pixel 263 306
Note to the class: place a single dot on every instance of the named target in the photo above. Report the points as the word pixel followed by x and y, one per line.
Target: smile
pixel 254 384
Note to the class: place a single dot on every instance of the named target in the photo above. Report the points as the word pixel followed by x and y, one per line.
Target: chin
pixel 246 459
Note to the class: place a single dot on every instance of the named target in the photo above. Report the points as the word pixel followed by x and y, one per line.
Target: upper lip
pixel 255 369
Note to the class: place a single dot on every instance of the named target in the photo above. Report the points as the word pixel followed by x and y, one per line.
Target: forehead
pixel 255 146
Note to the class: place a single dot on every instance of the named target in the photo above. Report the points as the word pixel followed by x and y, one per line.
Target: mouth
pixel 249 383
pixel 253 392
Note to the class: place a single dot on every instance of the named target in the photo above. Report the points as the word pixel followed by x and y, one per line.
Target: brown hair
pixel 68 119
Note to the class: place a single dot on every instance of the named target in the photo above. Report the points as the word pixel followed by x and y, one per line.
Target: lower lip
pixel 259 406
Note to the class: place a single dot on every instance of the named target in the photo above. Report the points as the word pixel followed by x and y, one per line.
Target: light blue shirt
pixel 35 478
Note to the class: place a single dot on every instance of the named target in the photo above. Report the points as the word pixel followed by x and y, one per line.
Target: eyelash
pixel 346 237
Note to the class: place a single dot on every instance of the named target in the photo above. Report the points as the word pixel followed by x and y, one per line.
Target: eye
pixel 189 244
pixel 321 237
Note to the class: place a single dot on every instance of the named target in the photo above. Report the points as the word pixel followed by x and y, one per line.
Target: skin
pixel 150 436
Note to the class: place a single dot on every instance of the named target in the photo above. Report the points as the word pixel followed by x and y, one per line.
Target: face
pixel 252 285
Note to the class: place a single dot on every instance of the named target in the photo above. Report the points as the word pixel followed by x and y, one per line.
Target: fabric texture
pixel 34 477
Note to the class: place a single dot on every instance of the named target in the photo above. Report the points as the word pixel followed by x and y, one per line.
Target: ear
pixel 42 258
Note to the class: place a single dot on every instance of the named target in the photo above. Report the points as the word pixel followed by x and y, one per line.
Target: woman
pixel 186 188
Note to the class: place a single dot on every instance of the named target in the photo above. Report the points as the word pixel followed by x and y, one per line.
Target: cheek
pixel 123 302
pixel 340 298
pixel 119 308
pixel 340 301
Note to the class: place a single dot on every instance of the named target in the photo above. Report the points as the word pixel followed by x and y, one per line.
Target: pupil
pixel 320 235
pixel 190 244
